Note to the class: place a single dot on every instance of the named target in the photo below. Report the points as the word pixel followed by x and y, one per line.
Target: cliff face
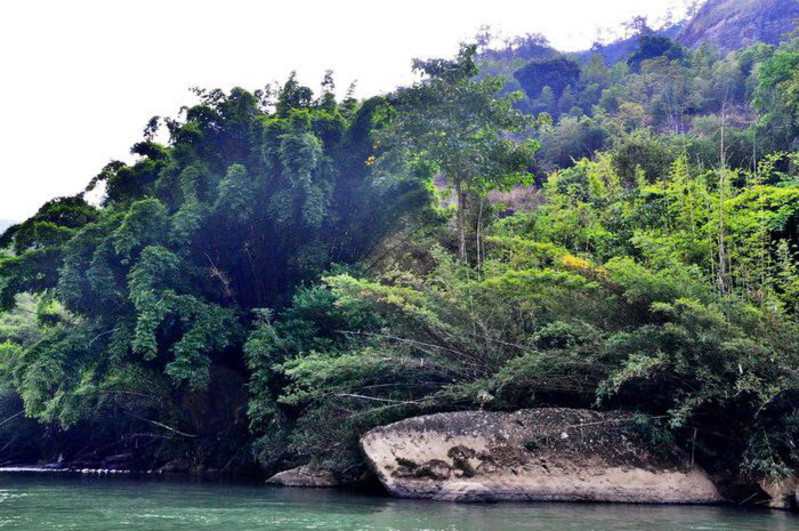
pixel 532 455
pixel 734 24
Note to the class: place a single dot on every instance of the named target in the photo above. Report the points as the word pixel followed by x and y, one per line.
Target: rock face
pixel 783 494
pixel 304 476
pixel 532 455
pixel 734 24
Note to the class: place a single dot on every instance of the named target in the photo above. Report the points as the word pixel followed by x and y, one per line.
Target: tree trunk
pixel 460 222
pixel 478 234
pixel 722 243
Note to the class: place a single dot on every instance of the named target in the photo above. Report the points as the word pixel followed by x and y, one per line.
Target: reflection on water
pixel 94 504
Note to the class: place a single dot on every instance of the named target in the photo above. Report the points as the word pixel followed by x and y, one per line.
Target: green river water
pixel 35 503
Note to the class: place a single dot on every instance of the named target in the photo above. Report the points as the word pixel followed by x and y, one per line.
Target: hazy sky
pixel 79 79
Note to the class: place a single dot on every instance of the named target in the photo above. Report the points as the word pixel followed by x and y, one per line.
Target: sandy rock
pixel 304 476
pixel 541 454
pixel 783 493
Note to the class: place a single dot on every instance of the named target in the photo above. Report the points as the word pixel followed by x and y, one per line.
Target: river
pixel 37 503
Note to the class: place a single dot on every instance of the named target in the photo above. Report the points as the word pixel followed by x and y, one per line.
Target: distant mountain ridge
pixel 726 24
pixel 621 49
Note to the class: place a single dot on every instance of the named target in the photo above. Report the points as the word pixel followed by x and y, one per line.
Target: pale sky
pixel 79 79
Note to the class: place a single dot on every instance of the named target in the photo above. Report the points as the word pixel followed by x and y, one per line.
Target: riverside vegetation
pixel 289 271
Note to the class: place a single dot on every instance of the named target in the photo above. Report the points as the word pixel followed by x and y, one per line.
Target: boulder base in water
pixel 532 455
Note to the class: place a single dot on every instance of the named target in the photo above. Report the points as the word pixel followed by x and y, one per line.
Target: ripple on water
pixel 7 495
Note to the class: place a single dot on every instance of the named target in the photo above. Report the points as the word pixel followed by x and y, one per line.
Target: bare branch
pixel 161 425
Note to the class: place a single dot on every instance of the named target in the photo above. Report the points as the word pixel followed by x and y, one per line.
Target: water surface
pixel 32 503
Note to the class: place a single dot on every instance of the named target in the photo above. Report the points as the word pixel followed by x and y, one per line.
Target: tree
pixel 596 72
pixel 555 72
pixel 160 282
pixel 777 94
pixel 462 127
pixel 546 102
pixel 653 46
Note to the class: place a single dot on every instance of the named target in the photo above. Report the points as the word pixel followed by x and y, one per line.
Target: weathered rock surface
pixel 532 455
pixel 176 466
pixel 734 24
pixel 783 493
pixel 304 476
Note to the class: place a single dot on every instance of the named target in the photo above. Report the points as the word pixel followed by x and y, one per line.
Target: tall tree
pixel 464 128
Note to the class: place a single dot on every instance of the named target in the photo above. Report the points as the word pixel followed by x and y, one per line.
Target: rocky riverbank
pixel 548 454
pixel 532 455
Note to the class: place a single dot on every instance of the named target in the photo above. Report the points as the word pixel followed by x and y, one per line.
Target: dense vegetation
pixel 289 270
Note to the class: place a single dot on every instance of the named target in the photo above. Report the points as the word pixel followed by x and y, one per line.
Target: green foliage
pixel 144 223
pixel 722 109
pixel 572 138
pixel 313 323
pixel 654 46
pixel 556 73
pixel 158 284
pixel 662 328
pixel 462 127
pixel 777 93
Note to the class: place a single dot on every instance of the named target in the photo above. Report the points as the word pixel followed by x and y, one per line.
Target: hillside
pixel 621 49
pixel 289 270
pixel 727 24
pixel 735 24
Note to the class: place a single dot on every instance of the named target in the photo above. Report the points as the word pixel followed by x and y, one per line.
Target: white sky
pixel 79 78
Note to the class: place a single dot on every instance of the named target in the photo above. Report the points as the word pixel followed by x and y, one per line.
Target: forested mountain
pixel 620 49
pixel 290 270
pixel 659 86
pixel 727 25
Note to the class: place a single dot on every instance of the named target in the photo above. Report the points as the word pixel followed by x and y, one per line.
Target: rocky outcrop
pixel 304 476
pixel 531 455
pixel 176 466
pixel 783 493
pixel 734 24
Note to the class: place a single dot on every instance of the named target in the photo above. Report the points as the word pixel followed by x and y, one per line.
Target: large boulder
pixel 783 493
pixel 531 455
pixel 304 476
